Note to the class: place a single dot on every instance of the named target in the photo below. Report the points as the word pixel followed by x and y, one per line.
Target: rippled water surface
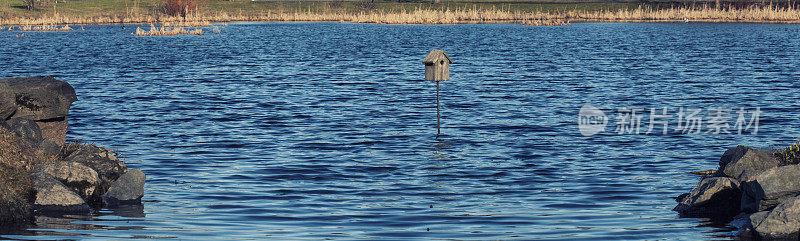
pixel 325 131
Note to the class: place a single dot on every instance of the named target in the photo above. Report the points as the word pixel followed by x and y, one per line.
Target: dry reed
pixel 493 15
pixel 44 28
pixel 767 14
pixel 191 23
pixel 545 22
pixel 166 31
pixel 444 16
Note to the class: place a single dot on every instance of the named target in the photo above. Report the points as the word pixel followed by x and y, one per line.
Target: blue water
pixel 326 131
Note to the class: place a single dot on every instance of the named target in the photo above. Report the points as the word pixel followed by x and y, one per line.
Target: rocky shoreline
pixel 758 190
pixel 40 172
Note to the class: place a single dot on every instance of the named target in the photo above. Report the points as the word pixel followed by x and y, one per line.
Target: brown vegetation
pixel 422 15
pixel 769 14
pixel 166 31
pixel 43 28
pixel 189 23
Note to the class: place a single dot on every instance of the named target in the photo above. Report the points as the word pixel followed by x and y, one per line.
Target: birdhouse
pixel 437 66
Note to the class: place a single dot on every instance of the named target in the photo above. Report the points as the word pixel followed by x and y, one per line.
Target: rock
pixel 681 197
pixel 741 221
pixel 27 129
pixel 54 130
pixel 7 105
pixel 783 222
pixel 770 188
pixel 742 162
pixel 17 152
pixel 749 175
pixel 16 188
pixel 107 166
pixel 17 195
pixel 128 189
pixel 732 154
pixel 78 177
pixel 33 125
pixel 49 148
pixel 52 196
pixel 30 131
pixel 745 223
pixel 716 197
pixel 42 99
pixel 756 218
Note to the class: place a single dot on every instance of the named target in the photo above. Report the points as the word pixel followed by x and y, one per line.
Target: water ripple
pixel 324 131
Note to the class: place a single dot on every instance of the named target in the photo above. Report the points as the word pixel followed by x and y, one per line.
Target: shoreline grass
pixel 146 12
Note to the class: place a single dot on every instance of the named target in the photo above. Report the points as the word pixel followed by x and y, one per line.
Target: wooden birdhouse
pixel 437 66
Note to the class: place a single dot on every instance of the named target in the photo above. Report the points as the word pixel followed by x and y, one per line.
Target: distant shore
pixel 528 13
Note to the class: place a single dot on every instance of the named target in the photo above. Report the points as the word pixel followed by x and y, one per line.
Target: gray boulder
pixel 107 166
pixel 17 195
pixel 742 223
pixel 30 131
pixel 49 148
pixel 745 223
pixel 27 129
pixel 770 188
pixel 757 218
pixel 783 222
pixel 7 105
pixel 52 196
pixel 78 177
pixel 42 99
pixel 54 130
pixel 128 189
pixel 743 162
pixel 716 197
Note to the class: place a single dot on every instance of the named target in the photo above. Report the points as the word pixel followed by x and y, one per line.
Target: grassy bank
pixel 555 12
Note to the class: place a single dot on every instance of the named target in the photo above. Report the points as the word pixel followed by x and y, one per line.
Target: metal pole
pixel 438 131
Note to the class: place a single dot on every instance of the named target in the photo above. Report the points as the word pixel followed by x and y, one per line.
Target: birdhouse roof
pixel 436 55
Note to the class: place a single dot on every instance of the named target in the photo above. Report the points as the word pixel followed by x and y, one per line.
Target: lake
pixel 328 131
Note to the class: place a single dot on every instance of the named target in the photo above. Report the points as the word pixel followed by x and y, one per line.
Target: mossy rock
pixel 17 157
pixel 17 195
